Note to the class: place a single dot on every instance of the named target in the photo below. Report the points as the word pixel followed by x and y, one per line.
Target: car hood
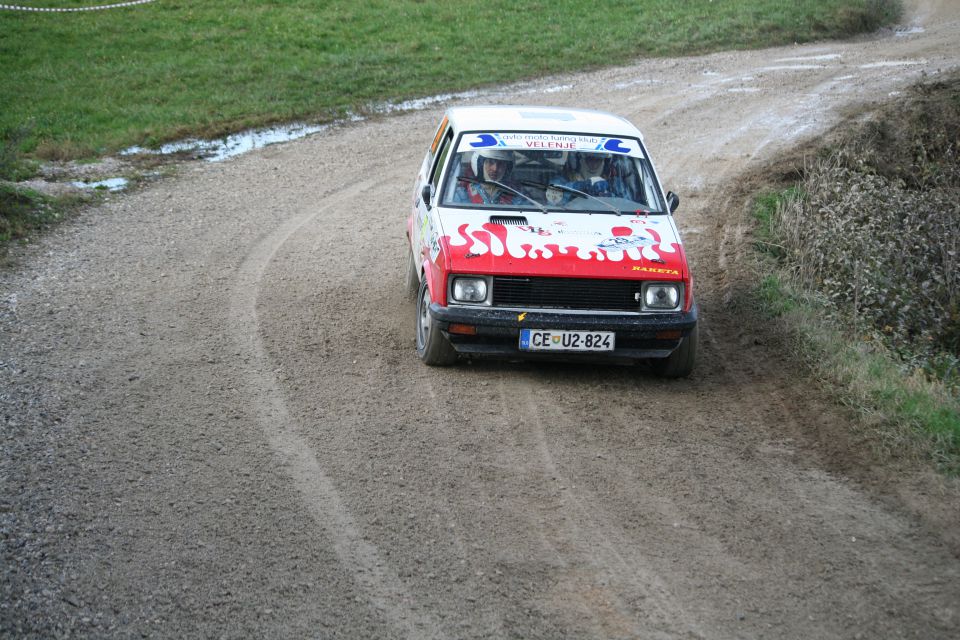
pixel 562 245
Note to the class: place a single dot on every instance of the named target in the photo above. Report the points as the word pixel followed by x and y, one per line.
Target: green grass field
pixel 92 82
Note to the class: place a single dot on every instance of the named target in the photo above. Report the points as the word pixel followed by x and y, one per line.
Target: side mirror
pixel 426 194
pixel 673 201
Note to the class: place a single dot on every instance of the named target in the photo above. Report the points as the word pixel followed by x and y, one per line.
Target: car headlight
pixel 661 295
pixel 469 289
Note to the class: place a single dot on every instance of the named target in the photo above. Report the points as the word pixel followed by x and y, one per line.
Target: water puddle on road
pixel 232 145
pixel 892 63
pixel 909 31
pixel 240 143
pixel 110 184
pixel 825 56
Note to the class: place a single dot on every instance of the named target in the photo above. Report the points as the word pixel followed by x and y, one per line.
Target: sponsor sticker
pixel 550 142
pixel 622 243
pixel 672 272
pixel 540 231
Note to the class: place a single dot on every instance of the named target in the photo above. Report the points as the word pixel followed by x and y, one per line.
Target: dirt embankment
pixel 215 424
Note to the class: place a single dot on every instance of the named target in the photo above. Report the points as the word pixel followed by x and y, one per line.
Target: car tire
pixel 432 347
pixel 411 281
pixel 679 364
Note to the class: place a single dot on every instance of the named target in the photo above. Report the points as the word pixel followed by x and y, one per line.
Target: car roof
pixel 530 118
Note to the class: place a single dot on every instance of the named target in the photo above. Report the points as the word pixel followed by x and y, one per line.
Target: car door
pixel 427 246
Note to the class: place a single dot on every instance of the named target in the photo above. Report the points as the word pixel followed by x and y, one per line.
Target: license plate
pixel 553 340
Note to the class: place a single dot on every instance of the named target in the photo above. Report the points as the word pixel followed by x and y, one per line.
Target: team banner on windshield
pixel 550 142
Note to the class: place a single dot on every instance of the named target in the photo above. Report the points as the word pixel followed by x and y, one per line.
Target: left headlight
pixel 472 289
pixel 661 296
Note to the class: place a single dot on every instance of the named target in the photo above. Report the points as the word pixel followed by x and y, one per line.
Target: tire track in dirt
pixel 320 496
pixel 606 579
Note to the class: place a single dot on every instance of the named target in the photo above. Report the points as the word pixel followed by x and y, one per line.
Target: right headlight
pixel 661 296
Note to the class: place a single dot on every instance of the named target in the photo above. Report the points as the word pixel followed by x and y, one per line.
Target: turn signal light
pixel 462 329
pixel 669 335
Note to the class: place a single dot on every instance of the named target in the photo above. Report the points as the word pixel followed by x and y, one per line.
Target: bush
pixel 879 252
pixel 862 264
pixel 874 228
pixel 914 140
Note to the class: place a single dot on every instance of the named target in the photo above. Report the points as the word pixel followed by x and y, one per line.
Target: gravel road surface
pixel 215 423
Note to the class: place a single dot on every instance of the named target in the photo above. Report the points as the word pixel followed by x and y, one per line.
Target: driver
pixel 491 166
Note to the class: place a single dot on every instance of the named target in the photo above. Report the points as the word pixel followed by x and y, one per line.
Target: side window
pixel 650 197
pixel 643 185
pixel 440 159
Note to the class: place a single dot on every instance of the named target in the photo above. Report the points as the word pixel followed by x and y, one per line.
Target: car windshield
pixel 551 180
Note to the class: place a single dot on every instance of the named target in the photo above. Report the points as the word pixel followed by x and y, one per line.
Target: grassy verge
pixel 93 82
pixel 859 263
pixel 904 410
pixel 24 211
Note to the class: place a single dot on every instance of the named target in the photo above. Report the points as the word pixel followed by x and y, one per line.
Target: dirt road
pixel 215 424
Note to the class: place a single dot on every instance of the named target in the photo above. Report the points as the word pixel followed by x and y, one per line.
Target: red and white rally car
pixel 544 232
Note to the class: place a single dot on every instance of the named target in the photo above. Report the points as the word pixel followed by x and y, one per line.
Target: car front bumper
pixel 497 332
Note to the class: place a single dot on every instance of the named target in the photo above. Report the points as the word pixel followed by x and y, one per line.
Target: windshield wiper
pixel 539 206
pixel 563 187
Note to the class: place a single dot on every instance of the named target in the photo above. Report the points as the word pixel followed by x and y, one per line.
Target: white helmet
pixel 476 162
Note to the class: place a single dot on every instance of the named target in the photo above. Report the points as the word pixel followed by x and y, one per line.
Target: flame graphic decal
pixel 620 244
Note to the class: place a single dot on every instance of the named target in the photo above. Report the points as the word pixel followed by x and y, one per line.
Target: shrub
pixel 879 252
pixel 874 229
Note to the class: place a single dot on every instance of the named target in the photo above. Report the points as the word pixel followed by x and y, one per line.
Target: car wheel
pixel 679 364
pixel 432 347
pixel 412 278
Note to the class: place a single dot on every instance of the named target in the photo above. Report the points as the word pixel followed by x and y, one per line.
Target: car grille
pixel 566 293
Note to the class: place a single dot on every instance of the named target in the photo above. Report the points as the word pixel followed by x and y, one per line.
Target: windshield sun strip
pixel 639 208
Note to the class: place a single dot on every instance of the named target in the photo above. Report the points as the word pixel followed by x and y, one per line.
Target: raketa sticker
pixel 622 243
pixel 672 272
pixel 550 142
